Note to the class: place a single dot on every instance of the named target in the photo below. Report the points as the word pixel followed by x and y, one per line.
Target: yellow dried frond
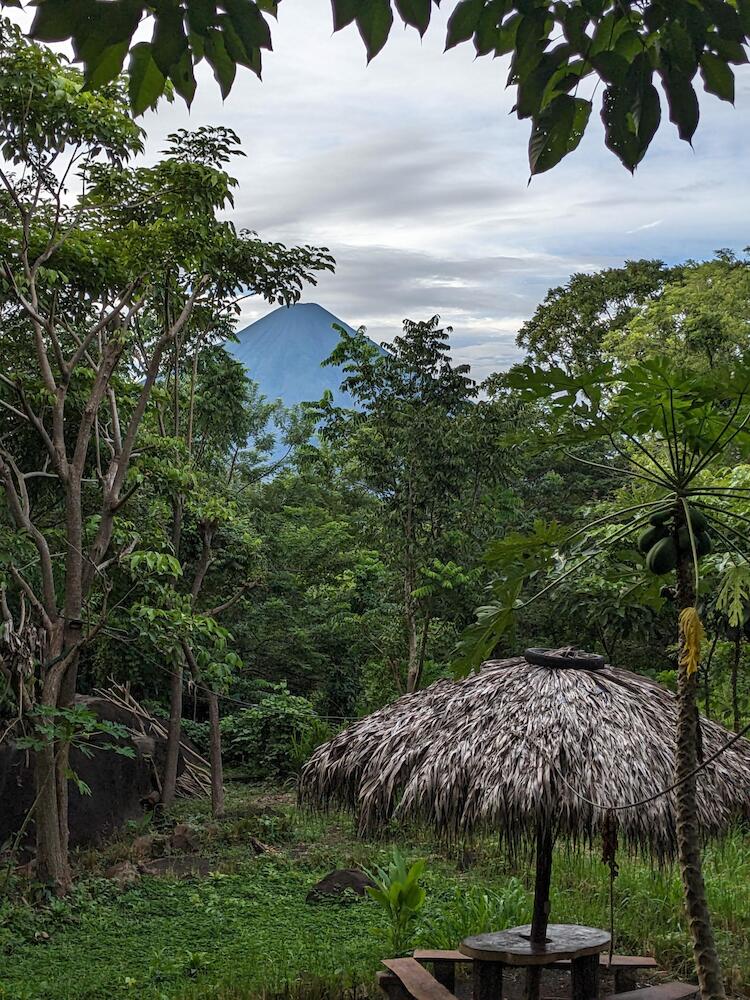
pixel 693 635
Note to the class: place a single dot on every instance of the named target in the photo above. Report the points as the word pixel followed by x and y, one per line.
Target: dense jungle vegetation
pixel 151 536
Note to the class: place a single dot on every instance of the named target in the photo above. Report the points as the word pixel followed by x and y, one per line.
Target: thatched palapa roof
pixel 517 745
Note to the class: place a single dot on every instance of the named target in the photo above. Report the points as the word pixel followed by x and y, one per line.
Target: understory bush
pixel 474 909
pixel 198 734
pixel 273 738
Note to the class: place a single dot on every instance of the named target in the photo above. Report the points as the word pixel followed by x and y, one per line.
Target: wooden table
pixel 565 942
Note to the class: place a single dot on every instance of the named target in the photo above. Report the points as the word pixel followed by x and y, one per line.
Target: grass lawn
pixel 246 930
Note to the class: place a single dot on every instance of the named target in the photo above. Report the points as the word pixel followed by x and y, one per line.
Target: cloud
pixel 415 175
pixel 646 225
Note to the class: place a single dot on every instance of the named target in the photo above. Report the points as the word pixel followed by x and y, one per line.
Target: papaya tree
pixel 91 245
pixel 665 429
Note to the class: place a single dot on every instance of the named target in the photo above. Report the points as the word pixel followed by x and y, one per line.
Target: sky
pixel 414 173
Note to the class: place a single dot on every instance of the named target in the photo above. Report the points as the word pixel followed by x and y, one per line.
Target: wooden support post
pixel 488 980
pixel 392 986
pixel 585 974
pixel 445 973
pixel 540 917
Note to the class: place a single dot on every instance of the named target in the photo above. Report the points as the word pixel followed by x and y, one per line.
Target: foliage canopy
pixel 558 51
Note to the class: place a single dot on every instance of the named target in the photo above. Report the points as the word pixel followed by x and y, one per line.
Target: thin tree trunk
pixel 706 958
pixel 413 666
pixel 707 676
pixel 169 781
pixel 735 675
pixel 217 771
pixel 413 671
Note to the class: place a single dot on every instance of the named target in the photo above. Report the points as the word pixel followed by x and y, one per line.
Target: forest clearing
pixel 248 931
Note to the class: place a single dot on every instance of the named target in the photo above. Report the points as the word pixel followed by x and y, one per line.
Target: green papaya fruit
pixel 703 543
pixel 648 538
pixel 662 557
pixel 698 519
pixel 661 516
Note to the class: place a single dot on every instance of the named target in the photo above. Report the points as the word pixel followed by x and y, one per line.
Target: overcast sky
pixel 414 174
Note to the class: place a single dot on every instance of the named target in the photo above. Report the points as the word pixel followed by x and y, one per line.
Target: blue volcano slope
pixel 284 353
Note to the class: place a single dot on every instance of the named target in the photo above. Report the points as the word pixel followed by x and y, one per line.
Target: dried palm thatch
pixel 517 748
pixel 194 780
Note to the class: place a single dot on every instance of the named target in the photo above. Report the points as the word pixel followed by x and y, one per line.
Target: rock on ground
pixel 339 884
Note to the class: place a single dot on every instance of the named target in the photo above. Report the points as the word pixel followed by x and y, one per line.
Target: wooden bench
pixel 663 991
pixel 444 966
pixel 408 978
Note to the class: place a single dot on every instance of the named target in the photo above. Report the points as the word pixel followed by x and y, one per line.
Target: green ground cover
pixel 246 931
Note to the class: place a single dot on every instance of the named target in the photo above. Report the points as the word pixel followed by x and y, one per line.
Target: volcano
pixel 284 353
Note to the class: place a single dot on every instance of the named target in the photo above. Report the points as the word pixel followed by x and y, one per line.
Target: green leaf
pixel 416 13
pixel 718 78
pixel 57 20
pixel 107 25
pixel 631 115
pixel 183 78
pixel 220 61
pixel 108 66
pixel 344 12
pixel 683 103
pixel 169 41
pixel 236 49
pixel 463 22
pixel 611 67
pixel 201 15
pixel 374 20
pixel 250 25
pixel 574 22
pixel 145 80
pixel 557 131
pixel 743 10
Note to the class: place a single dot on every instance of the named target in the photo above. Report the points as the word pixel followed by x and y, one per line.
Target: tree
pixel 701 313
pixel 90 245
pixel 666 428
pixel 425 448
pixel 560 52
pixel 697 310
pixel 574 322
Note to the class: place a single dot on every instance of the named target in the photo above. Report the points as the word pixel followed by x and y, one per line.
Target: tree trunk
pixel 52 764
pixel 53 867
pixel 413 665
pixel 169 781
pixel 706 958
pixel 51 768
pixel 736 721
pixel 540 916
pixel 66 699
pixel 217 771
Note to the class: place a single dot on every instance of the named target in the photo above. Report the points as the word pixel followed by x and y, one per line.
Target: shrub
pixel 266 738
pixel 198 734
pixel 398 891
pixel 473 909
